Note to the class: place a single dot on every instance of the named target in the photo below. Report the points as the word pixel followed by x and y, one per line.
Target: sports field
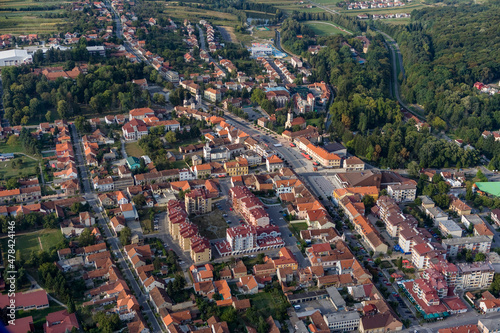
pixel 35 241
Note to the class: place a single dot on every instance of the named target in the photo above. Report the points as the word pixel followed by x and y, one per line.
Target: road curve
pixel 389 40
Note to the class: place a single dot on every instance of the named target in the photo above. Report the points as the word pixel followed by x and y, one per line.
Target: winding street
pixel 391 44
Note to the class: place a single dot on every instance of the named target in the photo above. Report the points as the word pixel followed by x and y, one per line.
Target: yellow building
pixel 236 168
pixel 200 249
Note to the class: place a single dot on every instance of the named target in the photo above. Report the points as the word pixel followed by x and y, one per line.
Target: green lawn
pixel 325 29
pixel 39 315
pixel 5 148
pixel 265 302
pixel 133 149
pixel 179 164
pixel 29 242
pixel 29 168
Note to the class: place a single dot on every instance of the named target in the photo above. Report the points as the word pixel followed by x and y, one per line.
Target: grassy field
pixel 29 168
pixel 5 148
pixel 31 241
pixel 325 29
pixel 133 149
pixel 265 302
pixel 196 14
pixel 211 225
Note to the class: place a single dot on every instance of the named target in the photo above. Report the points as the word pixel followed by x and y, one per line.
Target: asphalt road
pixel 113 241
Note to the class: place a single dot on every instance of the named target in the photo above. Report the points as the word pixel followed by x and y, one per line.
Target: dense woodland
pixel 445 51
pixel 107 86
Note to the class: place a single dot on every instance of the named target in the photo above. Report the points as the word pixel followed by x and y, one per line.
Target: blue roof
pixel 275 89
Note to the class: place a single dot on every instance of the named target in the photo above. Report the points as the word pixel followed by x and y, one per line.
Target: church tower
pixel 289 119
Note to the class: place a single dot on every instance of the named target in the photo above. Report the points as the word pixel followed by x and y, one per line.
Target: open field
pixel 212 225
pixel 265 302
pixel 24 22
pixel 230 32
pixel 196 14
pixel 133 149
pixel 28 168
pixel 325 28
pixel 5 148
pixel 30 242
pixel 19 4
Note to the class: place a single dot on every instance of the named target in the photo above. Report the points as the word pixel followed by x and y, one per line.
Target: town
pixel 162 178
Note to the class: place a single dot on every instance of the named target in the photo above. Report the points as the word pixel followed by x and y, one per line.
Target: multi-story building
pixel 478 275
pixel 242 238
pixel 326 159
pixel 450 228
pixel 342 321
pixel 213 95
pixel 476 244
pixel 141 113
pixel 402 192
pixel 236 168
pixel 134 130
pixel 353 163
pixel 495 216
pixel 425 292
pixel 274 163
pixel 198 202
pixel 423 253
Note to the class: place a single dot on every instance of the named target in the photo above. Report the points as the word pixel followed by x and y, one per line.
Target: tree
pixel 86 238
pixel 495 285
pixel 82 124
pixel 413 169
pixel 13 140
pixel 399 263
pixel 480 257
pixel 139 200
pixel 63 109
pixel 76 207
pixel 12 183
pixel 48 116
pixel 229 315
pixel 125 236
pixel 171 137
pixel 50 221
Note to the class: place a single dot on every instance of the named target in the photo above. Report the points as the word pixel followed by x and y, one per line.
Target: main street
pixel 112 240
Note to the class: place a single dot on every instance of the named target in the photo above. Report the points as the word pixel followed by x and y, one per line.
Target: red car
pixel 230 209
pixel 387 284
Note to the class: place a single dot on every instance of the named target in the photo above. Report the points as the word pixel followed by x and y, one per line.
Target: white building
pixel 476 244
pixel 450 228
pixel 14 58
pixel 403 192
pixel 242 237
pixel 342 321
pixel 185 174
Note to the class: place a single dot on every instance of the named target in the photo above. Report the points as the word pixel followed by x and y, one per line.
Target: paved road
pixel 113 241
pixel 391 44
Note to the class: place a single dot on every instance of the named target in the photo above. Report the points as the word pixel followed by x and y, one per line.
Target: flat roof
pixel 466 240
pixel 336 298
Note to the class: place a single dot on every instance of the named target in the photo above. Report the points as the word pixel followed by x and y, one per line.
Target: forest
pixel 445 51
pixel 108 85
pixel 363 115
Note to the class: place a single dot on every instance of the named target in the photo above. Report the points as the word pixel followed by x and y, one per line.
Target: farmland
pixel 28 16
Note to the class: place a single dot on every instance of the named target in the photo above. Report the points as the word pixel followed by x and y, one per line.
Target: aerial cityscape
pixel 250 166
